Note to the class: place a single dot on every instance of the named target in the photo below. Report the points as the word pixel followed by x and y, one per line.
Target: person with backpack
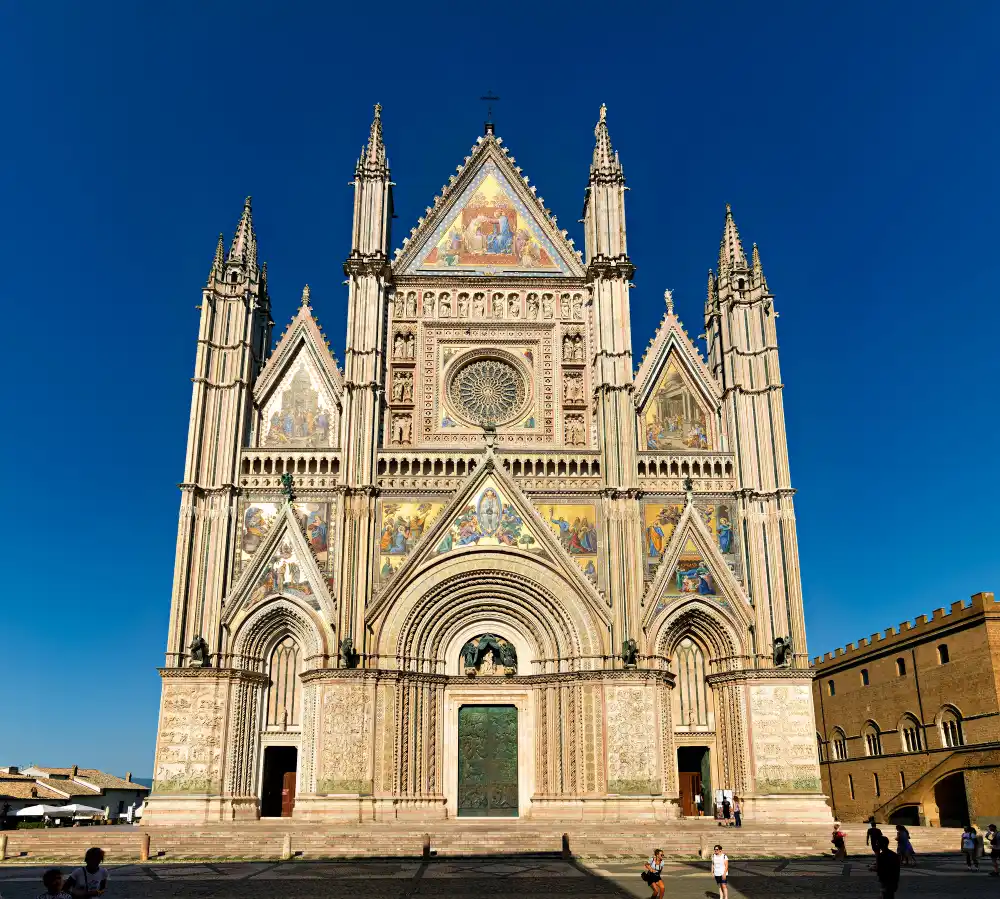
pixel 839 841
pixel 991 845
pixel 90 880
pixel 970 847
pixel 720 870
pixel 651 873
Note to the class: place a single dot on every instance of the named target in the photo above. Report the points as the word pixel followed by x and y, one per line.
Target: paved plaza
pixel 525 877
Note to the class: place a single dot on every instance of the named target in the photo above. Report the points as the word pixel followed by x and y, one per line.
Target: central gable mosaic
pixel 488 231
pixel 489 519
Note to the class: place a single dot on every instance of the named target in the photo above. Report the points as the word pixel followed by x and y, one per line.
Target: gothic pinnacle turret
pixel 605 165
pixel 731 255
pixel 373 162
pixel 244 248
pixel 757 270
pixel 219 261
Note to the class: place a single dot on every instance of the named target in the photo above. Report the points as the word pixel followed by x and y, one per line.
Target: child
pixel 91 879
pixel 839 841
pixel 53 881
pixel 720 869
pixel 969 847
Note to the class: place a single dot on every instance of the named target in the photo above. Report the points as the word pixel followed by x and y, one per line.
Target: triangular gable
pixel 691 565
pixel 487 221
pixel 284 565
pixel 299 389
pixel 676 396
pixel 489 510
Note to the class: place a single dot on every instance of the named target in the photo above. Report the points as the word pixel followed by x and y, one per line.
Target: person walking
pixel 652 873
pixel 991 845
pixel 904 848
pixel 699 802
pixel 720 870
pixel 726 807
pixel 90 880
pixel 970 848
pixel 839 840
pixel 887 869
pixel 737 811
pixel 873 838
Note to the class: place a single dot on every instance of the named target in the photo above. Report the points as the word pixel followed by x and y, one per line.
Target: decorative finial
pixel 489 98
pixel 305 296
pixel 604 112
pixel 287 487
pixel 729 209
pixel 378 110
pixel 668 296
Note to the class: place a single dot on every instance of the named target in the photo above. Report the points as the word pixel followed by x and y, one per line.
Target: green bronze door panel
pixel 487 761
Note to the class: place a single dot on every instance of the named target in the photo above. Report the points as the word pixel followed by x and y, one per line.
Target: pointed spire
pixel 605 164
pixel 731 255
pixel 244 248
pixel 373 161
pixel 220 259
pixel 757 269
pixel 305 297
pixel 713 295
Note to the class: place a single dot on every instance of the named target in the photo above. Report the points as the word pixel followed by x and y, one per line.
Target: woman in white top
pixel 651 874
pixel 720 868
pixel 90 880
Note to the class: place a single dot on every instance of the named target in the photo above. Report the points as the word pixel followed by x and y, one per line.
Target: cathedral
pixel 492 565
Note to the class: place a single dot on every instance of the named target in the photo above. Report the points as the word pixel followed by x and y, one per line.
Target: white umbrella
pixel 37 811
pixel 77 809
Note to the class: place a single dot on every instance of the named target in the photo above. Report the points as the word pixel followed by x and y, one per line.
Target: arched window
pixel 831 688
pixel 943 656
pixel 691 686
pixel 909 734
pixel 284 694
pixel 839 742
pixel 873 739
pixel 900 667
pixel 864 677
pixel 951 728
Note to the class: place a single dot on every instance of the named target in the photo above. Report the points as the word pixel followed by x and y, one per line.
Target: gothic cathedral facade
pixel 488 567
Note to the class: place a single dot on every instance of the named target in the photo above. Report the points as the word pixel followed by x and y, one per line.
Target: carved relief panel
pixel 190 741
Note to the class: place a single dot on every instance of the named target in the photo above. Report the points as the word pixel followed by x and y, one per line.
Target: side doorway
pixel 277 792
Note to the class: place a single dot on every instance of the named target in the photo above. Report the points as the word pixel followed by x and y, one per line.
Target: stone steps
pixel 267 840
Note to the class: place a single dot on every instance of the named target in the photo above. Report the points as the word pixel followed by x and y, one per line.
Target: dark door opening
pixel 277 794
pixel 694 777
pixel 908 815
pixel 487 761
pixel 953 806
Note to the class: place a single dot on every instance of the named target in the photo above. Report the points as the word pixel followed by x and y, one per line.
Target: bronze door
pixel 690 784
pixel 487 761
pixel 287 794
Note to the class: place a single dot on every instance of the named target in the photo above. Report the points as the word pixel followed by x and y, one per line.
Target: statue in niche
pixel 402 387
pixel 568 348
pixel 398 306
pixel 348 657
pixel 573 388
pixel 547 305
pixel 429 304
pixel 564 305
pixel 574 430
pixel 399 345
pixel 411 345
pixel 488 655
pixel 514 305
pixel 411 304
pixel 578 348
pixel 198 653
pixel 444 305
pixel 533 306
pixel 479 305
pixel 577 306
pixel 782 652
pixel 401 428
pixel 497 305
pixel 630 653
pixel 463 305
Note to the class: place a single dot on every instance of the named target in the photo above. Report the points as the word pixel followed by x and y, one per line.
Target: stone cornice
pixel 637 675
pixel 760 676
pixel 234 674
pixel 610 267
pixel 367 264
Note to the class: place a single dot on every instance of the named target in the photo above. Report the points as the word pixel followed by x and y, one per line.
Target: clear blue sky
pixel 858 144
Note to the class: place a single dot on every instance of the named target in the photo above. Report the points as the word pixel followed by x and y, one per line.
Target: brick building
pixel 908 722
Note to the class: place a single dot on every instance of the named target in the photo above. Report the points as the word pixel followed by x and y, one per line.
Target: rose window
pixel 488 391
